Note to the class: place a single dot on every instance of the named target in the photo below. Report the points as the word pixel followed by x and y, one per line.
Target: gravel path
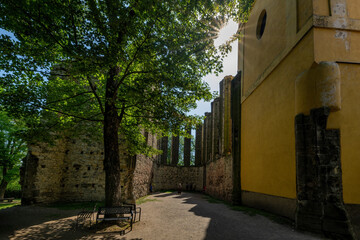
pixel 169 216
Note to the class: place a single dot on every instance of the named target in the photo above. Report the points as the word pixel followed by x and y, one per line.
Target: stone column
pixel 236 137
pixel 175 143
pixel 164 148
pixel 198 145
pixel 203 144
pixel 215 127
pixel 208 135
pixel 225 116
pixel 187 148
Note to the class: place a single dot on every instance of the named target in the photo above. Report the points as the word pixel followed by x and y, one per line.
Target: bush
pixel 12 193
pixel 13 189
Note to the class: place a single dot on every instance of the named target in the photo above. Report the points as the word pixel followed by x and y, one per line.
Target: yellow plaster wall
pixel 337 45
pixel 343 46
pixel 348 121
pixel 353 7
pixel 271 67
pixel 304 12
pixel 321 7
pixel 260 53
pixel 267 127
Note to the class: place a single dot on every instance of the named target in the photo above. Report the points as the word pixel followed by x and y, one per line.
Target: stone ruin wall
pixel 213 153
pixel 168 178
pixel 219 178
pixel 217 145
pixel 72 170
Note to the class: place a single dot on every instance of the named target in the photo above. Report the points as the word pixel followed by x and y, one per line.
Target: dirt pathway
pixel 169 216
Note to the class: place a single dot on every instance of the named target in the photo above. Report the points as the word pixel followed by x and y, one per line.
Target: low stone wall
pixel 168 177
pixel 219 181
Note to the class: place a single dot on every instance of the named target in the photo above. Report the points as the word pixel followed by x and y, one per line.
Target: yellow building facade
pixel 299 62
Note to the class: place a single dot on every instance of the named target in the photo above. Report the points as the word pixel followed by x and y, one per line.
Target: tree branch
pixel 93 89
pixel 67 114
pixel 74 96
pixel 41 24
pixel 133 58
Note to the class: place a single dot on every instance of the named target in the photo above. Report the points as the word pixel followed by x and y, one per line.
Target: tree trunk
pixel 3 183
pixel 111 145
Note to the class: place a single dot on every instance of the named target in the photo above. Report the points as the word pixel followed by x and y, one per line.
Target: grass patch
pixel 76 205
pixel 252 211
pixel 210 199
pixel 4 205
pixel 166 191
pixel 144 200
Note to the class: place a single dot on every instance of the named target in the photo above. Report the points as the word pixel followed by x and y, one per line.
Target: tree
pixel 12 150
pixel 123 65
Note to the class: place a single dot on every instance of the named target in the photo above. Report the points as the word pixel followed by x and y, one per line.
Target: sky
pixel 229 63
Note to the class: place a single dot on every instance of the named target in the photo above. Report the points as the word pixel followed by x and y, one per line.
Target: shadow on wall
pixel 227 224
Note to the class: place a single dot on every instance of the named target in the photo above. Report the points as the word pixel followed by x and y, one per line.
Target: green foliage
pixel 145 199
pixel 181 151
pixel 192 152
pixel 121 65
pixel 244 7
pixel 12 149
pixel 13 189
pixel 14 185
pixel 64 54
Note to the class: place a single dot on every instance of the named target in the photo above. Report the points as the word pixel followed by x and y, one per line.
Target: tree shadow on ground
pixel 227 224
pixel 35 222
pixel 22 217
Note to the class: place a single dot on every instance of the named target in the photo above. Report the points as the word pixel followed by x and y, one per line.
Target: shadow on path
pixel 35 222
pixel 230 224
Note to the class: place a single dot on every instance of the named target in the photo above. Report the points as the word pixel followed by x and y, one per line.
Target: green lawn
pixel 4 205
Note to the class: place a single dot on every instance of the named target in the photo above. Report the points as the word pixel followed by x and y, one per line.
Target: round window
pixel 261 25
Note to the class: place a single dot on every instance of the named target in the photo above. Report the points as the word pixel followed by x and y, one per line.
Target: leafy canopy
pixel 63 54
pixel 12 147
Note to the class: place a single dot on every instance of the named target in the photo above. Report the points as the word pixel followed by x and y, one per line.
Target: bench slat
pixel 107 214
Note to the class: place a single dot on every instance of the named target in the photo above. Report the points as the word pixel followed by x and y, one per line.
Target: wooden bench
pixel 115 213
pixel 6 199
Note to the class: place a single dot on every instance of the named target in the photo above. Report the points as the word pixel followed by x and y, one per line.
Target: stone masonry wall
pixel 83 177
pixel 168 177
pixel 143 175
pixel 72 170
pixel 320 206
pixel 219 178
pixel 41 174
